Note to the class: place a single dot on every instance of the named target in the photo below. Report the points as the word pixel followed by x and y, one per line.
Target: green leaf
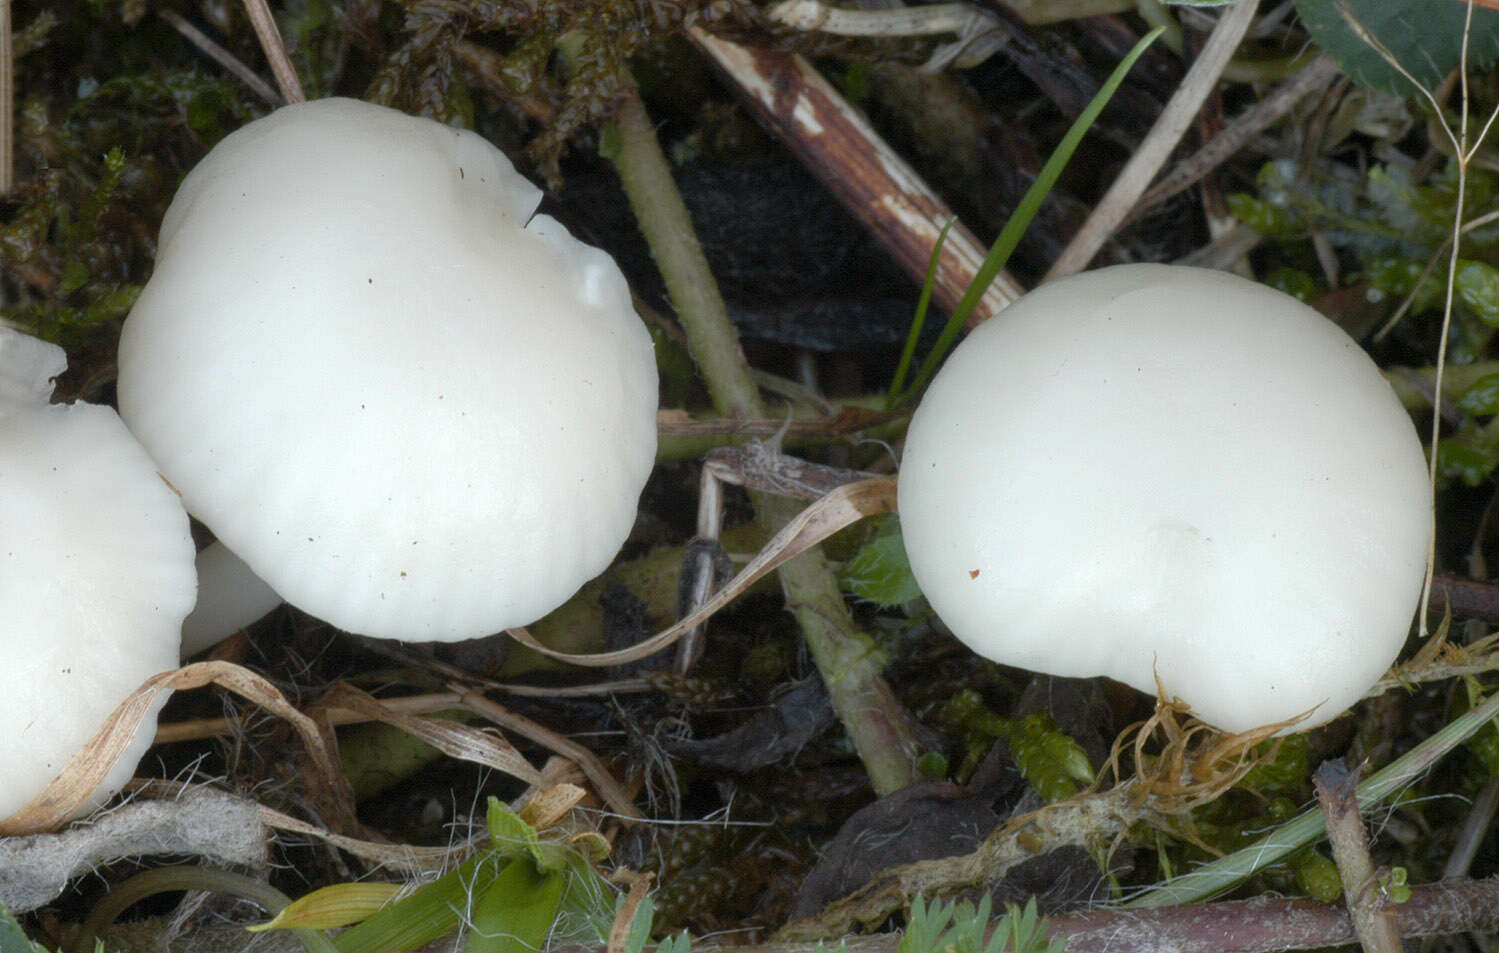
pixel 1293 281
pixel 587 904
pixel 431 912
pixel 961 928
pixel 510 836
pixel 925 926
pixel 1397 277
pixel 1424 36
pixel 1317 876
pixel 682 943
pixel 1285 774
pixel 1483 743
pixel 516 913
pixel 880 571
pixel 640 924
pixel 1465 457
pixel 1478 287
pixel 337 905
pixel 1395 886
pixel 13 939
pixel 1054 764
pixel 1262 216
pixel 1482 398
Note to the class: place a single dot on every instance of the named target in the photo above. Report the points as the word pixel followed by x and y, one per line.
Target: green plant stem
pixel 663 220
pixel 183 877
pixel 880 728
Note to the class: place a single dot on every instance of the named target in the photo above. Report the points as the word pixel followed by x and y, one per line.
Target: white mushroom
pixel 96 574
pixel 1151 470
pixel 413 407
pixel 230 597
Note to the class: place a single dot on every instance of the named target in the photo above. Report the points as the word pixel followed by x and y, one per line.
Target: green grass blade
pixel 909 351
pixel 1211 879
pixel 1020 220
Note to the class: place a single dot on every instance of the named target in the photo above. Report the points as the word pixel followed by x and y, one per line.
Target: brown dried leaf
pixel 457 740
pixel 66 795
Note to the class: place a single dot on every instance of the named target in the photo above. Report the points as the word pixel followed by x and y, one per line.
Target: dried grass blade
pixel 841 508
pixel 70 790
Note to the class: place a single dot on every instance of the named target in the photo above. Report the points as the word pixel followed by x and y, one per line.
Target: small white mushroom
pixel 1152 470
pixel 413 407
pixel 230 597
pixel 96 574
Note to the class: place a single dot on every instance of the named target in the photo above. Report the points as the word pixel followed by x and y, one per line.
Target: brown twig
pixel 1237 134
pixel 838 145
pixel 676 423
pixel 221 56
pixel 275 50
pixel 1260 925
pixel 1465 598
pixel 1373 921
pixel 883 732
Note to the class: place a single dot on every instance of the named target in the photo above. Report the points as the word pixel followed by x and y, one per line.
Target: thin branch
pixel 838 145
pixel 221 56
pixel 1373 921
pixel 882 731
pixel 275 50
pixel 1253 121
pixel 1261 925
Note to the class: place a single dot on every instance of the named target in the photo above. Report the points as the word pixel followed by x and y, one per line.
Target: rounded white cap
pixel 412 407
pixel 96 574
pixel 1154 470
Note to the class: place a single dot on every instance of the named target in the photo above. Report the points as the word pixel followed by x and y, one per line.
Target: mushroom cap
pixel 411 406
pixel 1156 470
pixel 96 574
pixel 230 597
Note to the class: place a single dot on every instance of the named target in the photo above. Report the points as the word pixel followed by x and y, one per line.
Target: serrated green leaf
pixel 1424 36
pixel 880 571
